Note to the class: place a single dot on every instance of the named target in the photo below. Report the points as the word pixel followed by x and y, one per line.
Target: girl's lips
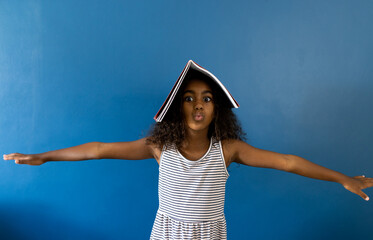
pixel 198 117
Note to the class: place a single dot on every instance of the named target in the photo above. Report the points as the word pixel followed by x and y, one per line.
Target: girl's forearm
pixel 85 151
pixel 301 166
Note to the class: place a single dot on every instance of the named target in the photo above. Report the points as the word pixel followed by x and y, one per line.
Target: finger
pixel 363 195
pixel 10 156
pixel 366 179
pixel 20 161
pixel 368 183
pixel 7 156
pixel 364 182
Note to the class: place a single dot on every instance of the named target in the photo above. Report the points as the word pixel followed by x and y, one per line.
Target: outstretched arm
pixel 84 151
pixel 306 168
pixel 245 154
pixel 134 150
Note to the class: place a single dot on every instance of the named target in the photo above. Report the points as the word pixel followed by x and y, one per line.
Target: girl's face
pixel 198 105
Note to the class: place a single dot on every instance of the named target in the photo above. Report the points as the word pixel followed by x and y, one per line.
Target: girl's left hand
pixel 355 184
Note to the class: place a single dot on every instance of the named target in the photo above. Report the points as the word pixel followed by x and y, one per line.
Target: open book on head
pixel 191 67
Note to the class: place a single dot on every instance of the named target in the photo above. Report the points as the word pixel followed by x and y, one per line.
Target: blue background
pixel 73 72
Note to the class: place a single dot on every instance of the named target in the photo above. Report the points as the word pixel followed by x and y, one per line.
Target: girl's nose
pixel 198 105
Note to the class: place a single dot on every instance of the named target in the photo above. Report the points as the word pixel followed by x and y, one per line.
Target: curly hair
pixel 172 129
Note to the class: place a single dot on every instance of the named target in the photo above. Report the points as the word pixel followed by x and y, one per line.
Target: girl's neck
pixel 196 140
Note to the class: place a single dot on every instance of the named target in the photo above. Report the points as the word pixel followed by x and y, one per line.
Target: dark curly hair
pixel 172 129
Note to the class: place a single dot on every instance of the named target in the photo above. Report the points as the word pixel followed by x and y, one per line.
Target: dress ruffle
pixel 166 227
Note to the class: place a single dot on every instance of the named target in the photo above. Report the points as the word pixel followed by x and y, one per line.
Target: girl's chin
pixel 197 127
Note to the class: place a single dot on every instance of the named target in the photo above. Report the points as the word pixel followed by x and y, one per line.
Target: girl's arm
pixel 135 150
pixel 94 150
pixel 245 154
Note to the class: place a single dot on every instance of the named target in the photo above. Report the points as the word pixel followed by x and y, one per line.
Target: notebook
pixel 191 65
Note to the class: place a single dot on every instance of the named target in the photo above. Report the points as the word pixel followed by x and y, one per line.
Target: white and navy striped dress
pixel 191 195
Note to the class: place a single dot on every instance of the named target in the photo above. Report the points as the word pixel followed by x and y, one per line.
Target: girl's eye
pixel 207 99
pixel 190 99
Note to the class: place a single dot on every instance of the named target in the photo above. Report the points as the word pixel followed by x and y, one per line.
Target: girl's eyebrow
pixel 191 91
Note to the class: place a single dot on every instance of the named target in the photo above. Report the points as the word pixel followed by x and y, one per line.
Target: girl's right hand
pixel 30 159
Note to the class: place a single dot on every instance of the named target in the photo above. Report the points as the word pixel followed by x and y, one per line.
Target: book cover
pixel 191 65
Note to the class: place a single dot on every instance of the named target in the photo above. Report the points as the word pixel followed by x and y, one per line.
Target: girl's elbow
pixel 289 166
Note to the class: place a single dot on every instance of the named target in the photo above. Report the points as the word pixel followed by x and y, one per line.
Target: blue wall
pixel 73 72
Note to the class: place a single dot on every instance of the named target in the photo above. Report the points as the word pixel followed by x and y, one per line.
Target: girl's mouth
pixel 198 117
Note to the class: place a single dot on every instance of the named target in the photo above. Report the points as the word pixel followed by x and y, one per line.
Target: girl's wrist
pixel 42 156
pixel 345 180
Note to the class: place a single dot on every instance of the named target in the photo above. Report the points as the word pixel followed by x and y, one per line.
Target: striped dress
pixel 191 195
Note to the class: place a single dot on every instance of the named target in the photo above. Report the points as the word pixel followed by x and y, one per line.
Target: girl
pixel 196 141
